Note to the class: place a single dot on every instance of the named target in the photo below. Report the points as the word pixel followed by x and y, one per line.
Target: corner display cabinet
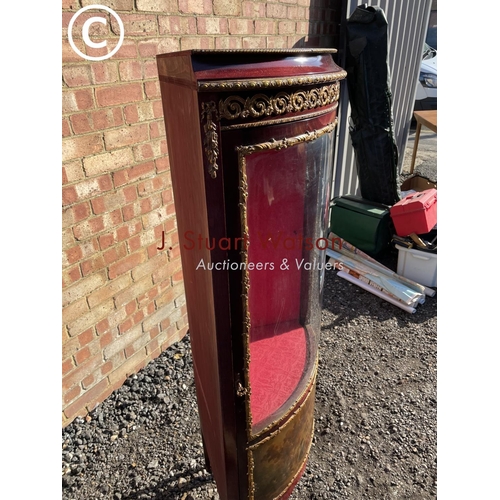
pixel 250 139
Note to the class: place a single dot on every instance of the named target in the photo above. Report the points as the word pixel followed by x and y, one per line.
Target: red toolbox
pixel 416 213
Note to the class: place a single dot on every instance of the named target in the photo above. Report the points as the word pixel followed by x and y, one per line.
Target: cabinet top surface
pixel 292 51
pixel 205 68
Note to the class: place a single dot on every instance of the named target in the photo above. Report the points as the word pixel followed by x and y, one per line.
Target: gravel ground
pixel 425 161
pixel 375 418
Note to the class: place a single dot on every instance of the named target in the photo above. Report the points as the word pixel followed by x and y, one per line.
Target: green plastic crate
pixel 365 224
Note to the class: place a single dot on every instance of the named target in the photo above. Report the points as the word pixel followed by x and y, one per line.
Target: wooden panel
pixel 272 472
pixel 224 65
pixel 277 98
pixel 184 139
pixel 172 67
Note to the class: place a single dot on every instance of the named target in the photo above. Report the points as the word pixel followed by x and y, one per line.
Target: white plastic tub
pixel 417 265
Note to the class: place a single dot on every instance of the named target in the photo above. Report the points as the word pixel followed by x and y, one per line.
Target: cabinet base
pixel 277 462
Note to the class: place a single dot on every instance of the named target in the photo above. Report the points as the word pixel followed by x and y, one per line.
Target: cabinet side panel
pixel 184 146
pixel 273 474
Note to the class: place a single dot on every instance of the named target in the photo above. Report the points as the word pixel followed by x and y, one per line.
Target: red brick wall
pixel 123 300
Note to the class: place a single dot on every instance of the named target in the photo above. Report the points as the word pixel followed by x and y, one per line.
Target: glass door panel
pixel 286 194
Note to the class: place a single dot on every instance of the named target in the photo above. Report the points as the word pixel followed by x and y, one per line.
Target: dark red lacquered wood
pixel 213 375
pixel 222 66
pixel 208 206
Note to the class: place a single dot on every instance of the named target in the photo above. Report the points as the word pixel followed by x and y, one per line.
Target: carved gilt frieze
pixel 258 106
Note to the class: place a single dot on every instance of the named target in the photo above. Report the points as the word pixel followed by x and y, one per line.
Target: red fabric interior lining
pixel 278 358
pixel 275 223
pixel 278 344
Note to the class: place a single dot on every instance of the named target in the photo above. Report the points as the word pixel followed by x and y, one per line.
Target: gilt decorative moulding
pixel 250 140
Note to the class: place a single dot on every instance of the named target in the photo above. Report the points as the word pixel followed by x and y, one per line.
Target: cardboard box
pixel 418 183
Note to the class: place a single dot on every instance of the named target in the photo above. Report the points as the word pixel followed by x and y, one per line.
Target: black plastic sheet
pixel 371 125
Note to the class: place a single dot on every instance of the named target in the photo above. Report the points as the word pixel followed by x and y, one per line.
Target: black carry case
pixel 368 82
